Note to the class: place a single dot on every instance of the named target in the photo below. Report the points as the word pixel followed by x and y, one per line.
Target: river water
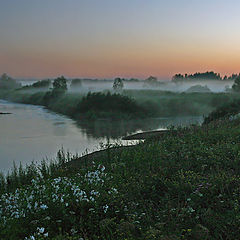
pixel 32 133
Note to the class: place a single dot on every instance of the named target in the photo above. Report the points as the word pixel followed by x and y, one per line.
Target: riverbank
pixel 181 186
pixel 131 104
pixel 89 107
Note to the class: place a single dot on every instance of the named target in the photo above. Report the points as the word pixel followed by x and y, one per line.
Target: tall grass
pixel 19 177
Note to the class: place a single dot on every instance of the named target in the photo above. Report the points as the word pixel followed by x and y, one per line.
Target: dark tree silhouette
pixel 151 79
pixel 236 85
pixel 60 84
pixel 118 84
pixel 202 76
pixel 42 84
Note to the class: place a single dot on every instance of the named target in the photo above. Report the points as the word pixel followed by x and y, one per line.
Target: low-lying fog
pixel 167 85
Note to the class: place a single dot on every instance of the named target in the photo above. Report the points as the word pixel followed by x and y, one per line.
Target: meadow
pixel 184 185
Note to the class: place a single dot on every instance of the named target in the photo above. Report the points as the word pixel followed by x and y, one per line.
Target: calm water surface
pixel 32 133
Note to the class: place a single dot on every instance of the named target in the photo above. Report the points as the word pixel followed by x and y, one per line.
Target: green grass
pixel 184 185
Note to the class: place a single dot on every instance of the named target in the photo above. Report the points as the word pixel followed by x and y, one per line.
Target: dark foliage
pixel 42 84
pixel 110 104
pixel 118 84
pixel 37 85
pixel 60 84
pixel 236 85
pixel 225 111
pixel 202 76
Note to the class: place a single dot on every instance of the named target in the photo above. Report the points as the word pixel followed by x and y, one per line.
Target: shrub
pixel 110 105
pixel 225 111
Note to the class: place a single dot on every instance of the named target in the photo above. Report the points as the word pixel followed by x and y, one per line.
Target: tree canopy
pixel 202 76
pixel 118 84
pixel 236 85
pixel 60 84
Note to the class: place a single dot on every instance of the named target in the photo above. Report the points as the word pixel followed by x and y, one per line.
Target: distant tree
pixel 233 76
pixel 236 85
pixel 198 88
pixel 152 82
pixel 60 83
pixel 42 84
pixel 178 77
pixel 197 76
pixel 118 84
pixel 7 82
pixel 59 86
pixel 151 79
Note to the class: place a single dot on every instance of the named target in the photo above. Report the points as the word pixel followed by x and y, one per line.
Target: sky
pixel 112 38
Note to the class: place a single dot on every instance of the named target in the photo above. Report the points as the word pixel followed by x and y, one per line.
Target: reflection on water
pixel 118 129
pixel 33 133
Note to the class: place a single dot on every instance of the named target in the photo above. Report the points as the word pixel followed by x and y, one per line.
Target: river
pixel 32 133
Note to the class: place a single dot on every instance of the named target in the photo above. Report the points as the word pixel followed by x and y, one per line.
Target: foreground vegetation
pixel 184 185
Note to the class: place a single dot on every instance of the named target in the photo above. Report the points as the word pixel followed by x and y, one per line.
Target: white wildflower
pixel 43 206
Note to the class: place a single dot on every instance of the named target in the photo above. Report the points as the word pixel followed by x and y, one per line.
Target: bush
pixel 42 84
pixel 225 111
pixel 60 85
pixel 110 105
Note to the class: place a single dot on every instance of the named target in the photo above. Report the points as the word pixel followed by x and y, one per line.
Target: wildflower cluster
pixel 53 200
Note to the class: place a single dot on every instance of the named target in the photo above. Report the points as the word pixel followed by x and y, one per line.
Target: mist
pixel 95 85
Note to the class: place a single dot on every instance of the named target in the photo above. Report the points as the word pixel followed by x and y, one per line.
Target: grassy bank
pixel 178 186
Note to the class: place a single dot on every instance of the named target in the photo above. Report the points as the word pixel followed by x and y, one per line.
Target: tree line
pixel 203 76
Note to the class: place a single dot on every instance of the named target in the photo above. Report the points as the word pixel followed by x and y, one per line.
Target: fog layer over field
pixel 91 85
